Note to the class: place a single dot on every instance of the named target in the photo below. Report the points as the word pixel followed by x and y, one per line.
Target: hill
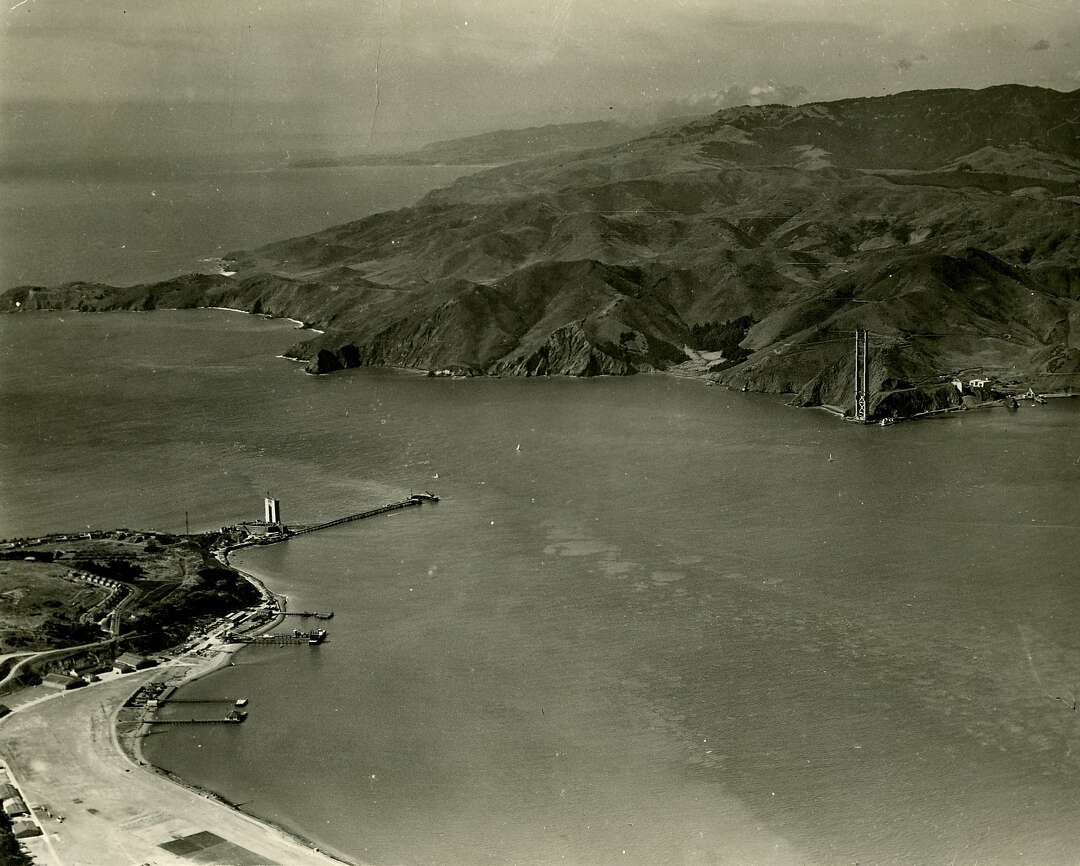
pixel 746 246
pixel 488 148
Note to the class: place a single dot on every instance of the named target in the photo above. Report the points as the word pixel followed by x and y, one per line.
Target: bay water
pixel 648 622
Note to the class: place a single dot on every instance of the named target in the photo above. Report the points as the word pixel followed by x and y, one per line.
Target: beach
pixel 66 757
pixel 97 800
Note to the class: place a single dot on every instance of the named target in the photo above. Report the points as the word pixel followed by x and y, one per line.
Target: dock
pixel 282 639
pixel 412 501
pixel 310 613
pixel 274 532
pixel 233 717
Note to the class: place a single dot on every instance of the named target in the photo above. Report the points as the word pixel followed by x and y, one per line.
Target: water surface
pixel 123 229
pixel 676 625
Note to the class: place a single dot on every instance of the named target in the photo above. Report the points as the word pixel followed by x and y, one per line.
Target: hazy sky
pixel 144 75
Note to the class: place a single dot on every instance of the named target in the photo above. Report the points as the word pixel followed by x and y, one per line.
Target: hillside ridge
pixel 947 223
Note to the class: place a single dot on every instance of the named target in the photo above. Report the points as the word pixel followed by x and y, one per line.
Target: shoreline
pixel 84 724
pixel 223 659
pixel 300 326
pixel 139 759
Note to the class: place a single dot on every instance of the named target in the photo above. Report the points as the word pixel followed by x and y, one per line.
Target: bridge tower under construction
pixel 862 375
pixel 272 510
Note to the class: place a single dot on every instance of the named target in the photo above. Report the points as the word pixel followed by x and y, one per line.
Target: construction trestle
pixel 296 637
pixel 415 499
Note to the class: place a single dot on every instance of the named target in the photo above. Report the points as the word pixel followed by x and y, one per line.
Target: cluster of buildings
pixel 270 525
pixel 971 384
pixel 125 663
pixel 95 579
pixel 23 824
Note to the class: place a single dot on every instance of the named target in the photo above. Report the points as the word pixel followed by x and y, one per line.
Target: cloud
pixel 1041 45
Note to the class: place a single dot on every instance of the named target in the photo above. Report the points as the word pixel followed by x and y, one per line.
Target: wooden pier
pixel 309 613
pixel 295 637
pixel 415 499
pixel 233 717
pixel 283 533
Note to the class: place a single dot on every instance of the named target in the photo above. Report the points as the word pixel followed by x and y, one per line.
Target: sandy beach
pixel 64 753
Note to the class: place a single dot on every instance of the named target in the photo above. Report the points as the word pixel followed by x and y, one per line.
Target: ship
pixel 316 637
pixel 241 702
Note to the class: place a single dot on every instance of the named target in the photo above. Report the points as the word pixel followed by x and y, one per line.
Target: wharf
pixel 193 721
pixel 309 613
pixel 415 499
pixel 296 637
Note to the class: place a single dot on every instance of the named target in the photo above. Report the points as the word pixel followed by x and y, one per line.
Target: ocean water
pixel 123 229
pixel 676 625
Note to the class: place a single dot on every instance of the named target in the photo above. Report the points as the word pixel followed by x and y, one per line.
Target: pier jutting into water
pixel 415 499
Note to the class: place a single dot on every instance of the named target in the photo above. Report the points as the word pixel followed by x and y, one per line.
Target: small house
pixel 978 383
pixel 14 807
pixel 7 791
pixel 24 828
pixel 62 682
pixel 128 662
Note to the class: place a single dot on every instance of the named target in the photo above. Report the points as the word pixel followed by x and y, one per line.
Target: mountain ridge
pixel 946 222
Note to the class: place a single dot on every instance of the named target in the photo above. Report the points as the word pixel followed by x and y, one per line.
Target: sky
pixel 81 78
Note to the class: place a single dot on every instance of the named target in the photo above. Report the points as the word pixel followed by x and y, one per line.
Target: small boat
pixel 241 702
pixel 236 716
pixel 316 637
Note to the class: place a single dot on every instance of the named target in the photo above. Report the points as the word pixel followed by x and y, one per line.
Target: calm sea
pixel 128 229
pixel 676 625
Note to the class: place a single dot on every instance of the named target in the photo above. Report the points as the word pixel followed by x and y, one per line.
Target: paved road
pixel 63 753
